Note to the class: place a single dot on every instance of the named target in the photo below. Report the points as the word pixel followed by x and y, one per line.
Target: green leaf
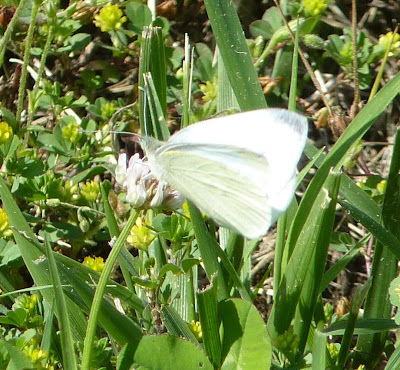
pixel 363 326
pixel 235 53
pixel 384 266
pixel 246 343
pixel 139 15
pixel 394 291
pixel 67 342
pixel 316 212
pixel 18 360
pixel 152 66
pixel 76 43
pixel 175 325
pixel 208 312
pixel 170 353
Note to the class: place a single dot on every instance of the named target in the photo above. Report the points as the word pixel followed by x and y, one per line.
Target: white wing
pixel 227 183
pixel 239 169
pixel 278 134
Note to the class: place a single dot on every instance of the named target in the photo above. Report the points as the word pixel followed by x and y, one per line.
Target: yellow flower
pixel 195 328
pixel 333 350
pixel 209 90
pixel 35 355
pixel 386 42
pixel 90 191
pixel 141 236
pixel 96 264
pixel 5 229
pixel 110 18
pixel 67 192
pixel 315 7
pixel 381 187
pixel 107 110
pixel 5 132
pixel 27 302
pixel 71 133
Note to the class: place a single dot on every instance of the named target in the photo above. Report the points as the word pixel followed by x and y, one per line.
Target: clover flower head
pixel 5 132
pixel 110 18
pixel 71 132
pixel 388 41
pixel 90 191
pixel 141 236
pixel 96 264
pixel 5 229
pixel 142 187
pixel 315 7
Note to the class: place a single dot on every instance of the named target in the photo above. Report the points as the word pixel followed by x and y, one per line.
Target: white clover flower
pixel 142 187
pixel 120 170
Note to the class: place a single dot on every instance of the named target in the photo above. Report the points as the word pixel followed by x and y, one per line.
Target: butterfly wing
pixel 277 134
pixel 239 169
pixel 227 183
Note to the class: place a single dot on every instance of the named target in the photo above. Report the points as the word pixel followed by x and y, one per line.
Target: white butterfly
pixel 239 169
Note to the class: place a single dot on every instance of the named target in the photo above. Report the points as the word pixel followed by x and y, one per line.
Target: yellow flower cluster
pixel 390 42
pixel 209 90
pixel 5 132
pixel 195 328
pixel 96 264
pixel 5 229
pixel 71 133
pixel 315 7
pixel 141 236
pixel 110 18
pixel 90 191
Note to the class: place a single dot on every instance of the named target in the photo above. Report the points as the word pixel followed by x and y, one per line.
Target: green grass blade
pixel 382 234
pixel 33 258
pixel 175 325
pixel 208 313
pixel 210 250
pixel 206 246
pixel 356 303
pixel 339 266
pixel 114 232
pixel 118 325
pixel 67 342
pixel 311 288
pixel 159 126
pixel 361 123
pixel 235 53
pixel 289 290
pixel 98 297
pixel 394 360
pixel 152 60
pixel 362 326
pixel 384 267
pixel 319 351
pixel 295 68
pixel 186 303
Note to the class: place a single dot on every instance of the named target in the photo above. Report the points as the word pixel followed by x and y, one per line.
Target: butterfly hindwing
pixel 228 184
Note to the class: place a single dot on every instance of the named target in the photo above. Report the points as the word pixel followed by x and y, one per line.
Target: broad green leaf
pixel 170 353
pixel 246 343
